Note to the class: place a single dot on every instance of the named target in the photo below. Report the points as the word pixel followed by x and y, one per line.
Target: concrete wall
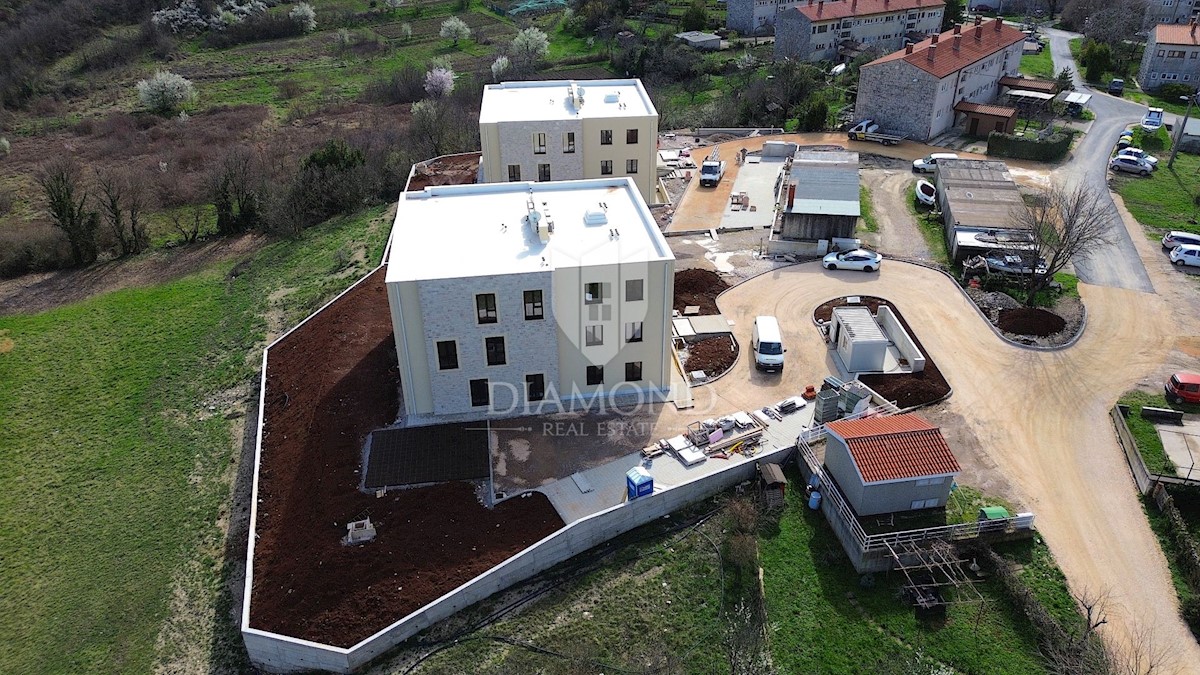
pixel 813 226
pixel 803 248
pixel 903 341
pixel 899 97
pixel 794 38
pixel 277 653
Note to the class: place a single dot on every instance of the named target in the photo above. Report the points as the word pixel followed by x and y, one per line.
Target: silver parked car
pixel 1130 164
pixel 1175 238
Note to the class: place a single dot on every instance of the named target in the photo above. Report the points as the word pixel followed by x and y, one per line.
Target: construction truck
pixel 711 172
pixel 868 130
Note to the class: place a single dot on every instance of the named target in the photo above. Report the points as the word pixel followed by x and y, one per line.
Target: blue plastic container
pixel 814 481
pixel 638 483
pixel 814 501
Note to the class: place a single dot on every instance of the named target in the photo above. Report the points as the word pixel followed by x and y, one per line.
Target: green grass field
pixel 1038 65
pixel 826 621
pixel 931 230
pixel 868 211
pixel 116 467
pixel 1165 199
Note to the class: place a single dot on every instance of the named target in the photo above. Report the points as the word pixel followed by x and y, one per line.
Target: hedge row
pixel 1050 149
pixel 1187 555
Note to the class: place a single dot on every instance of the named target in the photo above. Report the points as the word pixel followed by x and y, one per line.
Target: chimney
pixel 998 23
pixel 791 195
pixel 978 19
pixel 853 5
pixel 908 48
pixel 957 40
pixel 820 7
pixel 957 28
pixel 1193 24
pixel 978 32
pixel 933 40
pixel 810 2
pixel 931 51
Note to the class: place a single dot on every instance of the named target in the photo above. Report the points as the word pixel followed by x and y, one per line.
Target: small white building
pixel 568 130
pixel 520 298
pixel 700 40
pixel 858 339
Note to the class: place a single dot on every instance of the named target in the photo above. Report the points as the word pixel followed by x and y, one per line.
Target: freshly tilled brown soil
pixel 698 287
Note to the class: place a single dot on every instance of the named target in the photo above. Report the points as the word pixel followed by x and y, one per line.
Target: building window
pixel 631 136
pixel 543 172
pixel 633 290
pixel 1162 52
pixel 535 387
pixel 539 144
pixel 606 137
pixel 633 371
pixel 514 173
pixel 593 293
pixel 534 309
pixel 633 331
pixel 631 166
pixel 606 167
pixel 595 375
pixel 480 393
pixel 1175 54
pixel 485 307
pixel 494 347
pixel 593 336
pixel 1193 55
pixel 569 142
pixel 447 351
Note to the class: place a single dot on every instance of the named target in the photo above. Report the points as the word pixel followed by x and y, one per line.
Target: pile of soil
pixel 715 356
pixel 907 389
pixel 430 540
pixel 455 170
pixel 698 287
pixel 1030 321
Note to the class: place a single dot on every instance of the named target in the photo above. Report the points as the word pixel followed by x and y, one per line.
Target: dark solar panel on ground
pixel 427 455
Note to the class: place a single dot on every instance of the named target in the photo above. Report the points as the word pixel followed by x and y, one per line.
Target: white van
pixel 929 164
pixel 767 343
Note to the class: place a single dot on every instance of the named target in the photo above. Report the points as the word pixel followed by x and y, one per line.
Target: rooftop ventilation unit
pixel 595 216
pixel 575 96
pixel 359 532
pixel 612 97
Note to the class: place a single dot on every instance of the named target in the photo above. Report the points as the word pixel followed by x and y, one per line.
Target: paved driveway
pixel 1119 266
pixel 1041 417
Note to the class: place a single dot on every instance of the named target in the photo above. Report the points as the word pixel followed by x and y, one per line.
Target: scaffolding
pixel 935 576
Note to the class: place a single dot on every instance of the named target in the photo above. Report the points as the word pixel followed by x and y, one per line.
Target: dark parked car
pixel 1116 87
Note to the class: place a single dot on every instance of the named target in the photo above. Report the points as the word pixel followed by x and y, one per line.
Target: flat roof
pixel 980 193
pixel 859 323
pixel 451 231
pixel 697 35
pixel 554 100
pixel 825 187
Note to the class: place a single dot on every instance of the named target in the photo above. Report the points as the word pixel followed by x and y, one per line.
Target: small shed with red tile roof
pixel 983 119
pixel 890 464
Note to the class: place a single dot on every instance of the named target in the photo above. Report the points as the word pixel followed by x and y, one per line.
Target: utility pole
pixel 1179 134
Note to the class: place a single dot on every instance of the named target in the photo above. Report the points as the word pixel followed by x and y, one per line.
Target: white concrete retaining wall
pixel 904 342
pixel 282 654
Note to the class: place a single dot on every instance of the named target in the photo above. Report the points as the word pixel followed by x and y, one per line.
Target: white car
pixel 1130 164
pixel 858 259
pixel 1186 254
pixel 929 164
pixel 1176 238
pixel 1153 119
pixel 1140 154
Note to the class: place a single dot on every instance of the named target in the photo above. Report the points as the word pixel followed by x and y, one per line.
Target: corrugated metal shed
pixel 978 193
pixel 859 323
pixel 826 189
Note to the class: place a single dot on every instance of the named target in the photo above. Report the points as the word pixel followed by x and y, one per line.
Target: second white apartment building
pixel 524 298
pixel 816 30
pixel 567 130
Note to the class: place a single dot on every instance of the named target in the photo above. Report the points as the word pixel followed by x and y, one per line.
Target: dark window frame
pixel 593 335
pixel 633 368
pixel 514 177
pixel 490 354
pixel 606 167
pixel 537 393
pixel 535 307
pixel 634 331
pixel 480 398
pixel 606 137
pixel 443 357
pixel 595 375
pixel 641 290
pixel 483 313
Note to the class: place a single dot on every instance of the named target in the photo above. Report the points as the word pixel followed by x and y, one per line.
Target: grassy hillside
pixel 117 465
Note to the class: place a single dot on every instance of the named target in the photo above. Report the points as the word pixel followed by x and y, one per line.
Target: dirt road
pixel 1041 417
pixel 898 234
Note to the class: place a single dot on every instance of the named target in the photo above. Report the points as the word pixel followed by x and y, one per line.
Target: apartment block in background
pixel 1172 56
pixel 509 298
pixel 568 130
pixel 838 30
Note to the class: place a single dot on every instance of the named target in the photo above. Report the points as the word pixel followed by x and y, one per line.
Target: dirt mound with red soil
pixel 906 389
pixel 329 384
pixel 714 356
pixel 698 287
pixel 455 170
pixel 1030 321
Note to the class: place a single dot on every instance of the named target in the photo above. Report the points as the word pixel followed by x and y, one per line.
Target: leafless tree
pixel 119 194
pixel 67 199
pixel 1065 225
pixel 1078 650
pixel 187 222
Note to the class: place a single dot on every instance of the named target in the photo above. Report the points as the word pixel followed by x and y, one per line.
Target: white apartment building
pixel 1172 56
pixel 514 298
pixel 815 30
pixel 568 130
pixel 919 91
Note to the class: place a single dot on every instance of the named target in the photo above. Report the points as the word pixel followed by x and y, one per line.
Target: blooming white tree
pixel 500 66
pixel 530 46
pixel 165 92
pixel 5 147
pixel 406 31
pixel 439 82
pixel 305 16
pixel 393 4
pixel 455 29
pixel 441 62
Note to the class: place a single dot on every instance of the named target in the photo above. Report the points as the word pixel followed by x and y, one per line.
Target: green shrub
pixel 1050 149
pixel 1191 614
pixel 1151 141
pixel 1173 91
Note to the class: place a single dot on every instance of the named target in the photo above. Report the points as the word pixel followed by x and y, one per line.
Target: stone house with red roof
pixel 890 464
pixel 834 30
pixel 1172 56
pixel 914 91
